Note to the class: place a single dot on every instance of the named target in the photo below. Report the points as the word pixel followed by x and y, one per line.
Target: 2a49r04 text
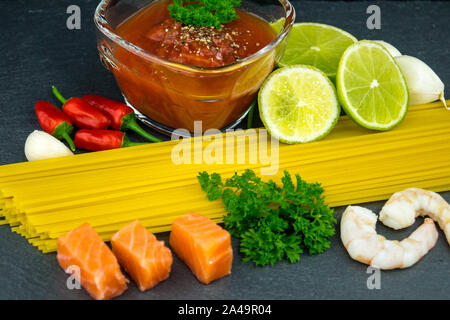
pixel 246 309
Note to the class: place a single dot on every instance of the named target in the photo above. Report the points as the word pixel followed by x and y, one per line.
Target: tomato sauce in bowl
pixel 191 73
pixel 196 46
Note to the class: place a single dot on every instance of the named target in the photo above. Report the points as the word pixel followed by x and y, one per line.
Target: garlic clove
pixel 424 85
pixel 389 47
pixel 41 145
pixel 442 98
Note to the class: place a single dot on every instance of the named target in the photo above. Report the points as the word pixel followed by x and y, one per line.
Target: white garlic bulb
pixel 424 85
pixel 389 47
pixel 41 145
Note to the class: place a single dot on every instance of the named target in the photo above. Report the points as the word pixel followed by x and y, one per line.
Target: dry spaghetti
pixel 44 199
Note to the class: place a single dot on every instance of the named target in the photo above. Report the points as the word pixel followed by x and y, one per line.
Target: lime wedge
pixel 278 25
pixel 298 104
pixel 371 87
pixel 315 44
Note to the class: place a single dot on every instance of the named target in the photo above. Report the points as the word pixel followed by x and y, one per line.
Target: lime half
pixel 371 87
pixel 298 104
pixel 317 45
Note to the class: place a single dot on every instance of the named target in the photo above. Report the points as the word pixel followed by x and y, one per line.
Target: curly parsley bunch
pixel 273 222
pixel 204 12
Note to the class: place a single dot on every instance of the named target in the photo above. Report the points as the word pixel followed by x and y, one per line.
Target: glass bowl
pixel 168 95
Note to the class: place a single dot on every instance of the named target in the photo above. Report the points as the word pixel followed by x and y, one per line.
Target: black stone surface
pixel 37 51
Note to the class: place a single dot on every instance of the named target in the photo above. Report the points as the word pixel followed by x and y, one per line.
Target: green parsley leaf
pixel 204 12
pixel 273 222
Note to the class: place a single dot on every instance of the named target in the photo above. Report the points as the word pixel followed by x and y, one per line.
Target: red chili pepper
pixel 54 121
pixel 97 140
pixel 122 116
pixel 83 115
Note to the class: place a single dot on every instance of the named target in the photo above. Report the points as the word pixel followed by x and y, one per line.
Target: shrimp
pixel 403 207
pixel 364 244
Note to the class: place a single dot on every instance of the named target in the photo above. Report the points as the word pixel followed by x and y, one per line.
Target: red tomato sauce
pixel 156 32
pixel 178 96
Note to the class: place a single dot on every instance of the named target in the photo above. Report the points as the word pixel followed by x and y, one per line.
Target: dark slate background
pixel 37 51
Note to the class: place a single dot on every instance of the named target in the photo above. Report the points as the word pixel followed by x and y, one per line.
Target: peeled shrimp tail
pixel 403 207
pixel 422 240
pixel 364 244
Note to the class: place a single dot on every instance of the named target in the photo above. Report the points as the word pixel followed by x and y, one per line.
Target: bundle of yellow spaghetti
pixel 42 200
